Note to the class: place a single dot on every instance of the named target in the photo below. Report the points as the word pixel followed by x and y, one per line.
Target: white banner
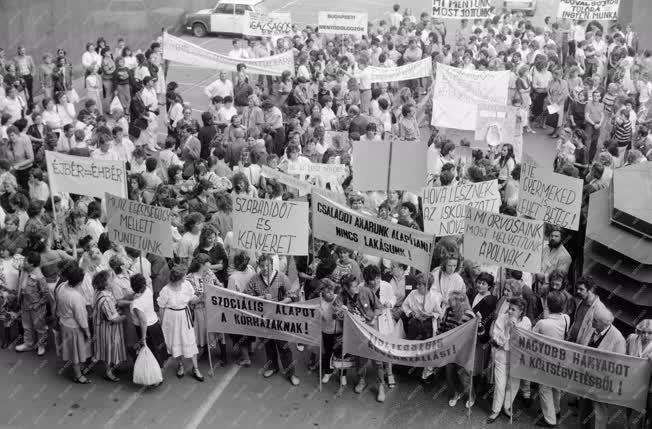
pixel 458 92
pixel 271 24
pixel 588 10
pixel 343 23
pixel 506 241
pixel 551 197
pixel 85 176
pixel 421 68
pixel 444 207
pixel 178 50
pixel 468 9
pixel 324 171
pixel 270 226
pixel 302 186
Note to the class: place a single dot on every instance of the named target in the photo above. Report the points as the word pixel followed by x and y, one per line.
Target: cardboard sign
pixel 270 226
pixel 370 235
pixel 444 207
pixel 273 24
pixel 459 92
pixel 324 171
pixel 407 161
pixel 85 176
pixel 301 185
pixel 495 124
pixel 343 23
pixel 336 139
pixel 141 226
pixel 507 241
pixel 584 371
pixel 455 346
pixel 551 197
pixel 455 9
pixel 181 51
pixel 233 312
pixel 589 10
pixel 417 69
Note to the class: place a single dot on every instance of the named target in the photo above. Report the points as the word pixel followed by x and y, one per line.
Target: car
pixel 226 17
pixel 529 7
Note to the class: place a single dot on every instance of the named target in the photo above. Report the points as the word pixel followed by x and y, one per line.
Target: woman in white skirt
pixel 175 300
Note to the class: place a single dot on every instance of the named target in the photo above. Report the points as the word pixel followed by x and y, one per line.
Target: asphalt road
pixel 37 392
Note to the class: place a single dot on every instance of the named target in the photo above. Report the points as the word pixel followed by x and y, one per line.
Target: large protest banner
pixel 181 51
pixel 273 24
pixel 507 241
pixel 324 171
pixel 455 346
pixel 232 312
pixel 588 10
pixel 458 92
pixel 397 155
pixel 444 207
pixel 417 69
pixel 495 124
pixel 85 176
pixel 467 9
pixel 270 226
pixel 343 23
pixel 301 185
pixel 551 197
pixel 141 226
pixel 584 371
pixel 338 224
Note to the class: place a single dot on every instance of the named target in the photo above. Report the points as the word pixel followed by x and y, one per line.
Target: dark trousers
pixel 29 87
pixel 241 344
pixel 332 345
pixel 416 329
pixel 156 342
pixel 275 349
pixel 592 135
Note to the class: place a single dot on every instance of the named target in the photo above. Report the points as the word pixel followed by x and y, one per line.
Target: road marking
pixel 286 5
pixel 205 407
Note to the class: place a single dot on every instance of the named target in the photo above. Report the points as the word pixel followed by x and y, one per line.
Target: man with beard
pixel 555 255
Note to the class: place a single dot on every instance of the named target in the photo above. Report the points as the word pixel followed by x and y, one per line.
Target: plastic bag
pixel 147 372
pixel 115 105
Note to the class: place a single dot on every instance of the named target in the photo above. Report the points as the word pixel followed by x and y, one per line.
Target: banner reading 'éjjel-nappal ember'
pixel 592 373
pixel 233 312
pixel 458 93
pixel 370 235
pixel 506 241
pixel 180 51
pixel 270 226
pixel 588 10
pixel 417 69
pixel 85 176
pixel 466 9
pixel 343 23
pixel 455 346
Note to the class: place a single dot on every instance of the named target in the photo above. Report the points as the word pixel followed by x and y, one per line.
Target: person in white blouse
pixel 91 58
pixel 65 109
pixel 422 309
pixel 221 87
pixel 50 116
pixel 447 279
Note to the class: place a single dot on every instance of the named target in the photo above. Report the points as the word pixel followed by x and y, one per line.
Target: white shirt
pixel 219 87
pixel 144 303
pixel 124 149
pixel 238 53
pixel 91 58
pixel 13 107
pixel 109 155
pixel 149 98
pixel 225 114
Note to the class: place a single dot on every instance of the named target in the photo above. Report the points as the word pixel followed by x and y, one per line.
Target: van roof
pixel 247 2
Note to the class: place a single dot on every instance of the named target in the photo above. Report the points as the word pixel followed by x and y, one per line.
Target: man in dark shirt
pixel 206 134
pixel 358 124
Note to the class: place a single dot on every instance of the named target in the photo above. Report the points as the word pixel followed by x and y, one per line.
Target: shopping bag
pixel 147 372
pixel 115 105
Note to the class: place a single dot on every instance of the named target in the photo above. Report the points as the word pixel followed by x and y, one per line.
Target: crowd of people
pixel 588 84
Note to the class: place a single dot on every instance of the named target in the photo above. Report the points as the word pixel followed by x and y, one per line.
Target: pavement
pixel 37 392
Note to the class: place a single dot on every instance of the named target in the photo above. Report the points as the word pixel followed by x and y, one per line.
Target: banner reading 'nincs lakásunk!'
pixel 592 373
pixel 456 9
pixel 233 312
pixel 180 51
pixel 455 346
pixel 370 235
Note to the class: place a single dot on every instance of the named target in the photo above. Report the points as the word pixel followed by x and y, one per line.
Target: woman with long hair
pixel 506 162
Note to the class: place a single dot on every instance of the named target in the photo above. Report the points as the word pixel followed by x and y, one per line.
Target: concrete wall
pixel 641 17
pixel 45 25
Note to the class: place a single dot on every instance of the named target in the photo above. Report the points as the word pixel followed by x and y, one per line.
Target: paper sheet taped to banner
pixel 444 207
pixel 455 346
pixel 551 197
pixel 588 10
pixel 85 176
pixel 141 226
pixel 495 124
pixel 592 373
pixel 467 9
pixel 370 235
pixel 273 24
pixel 417 69
pixel 325 171
pixel 458 92
pixel 233 312
pixel 181 51
pixel 270 226
pixel 506 241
